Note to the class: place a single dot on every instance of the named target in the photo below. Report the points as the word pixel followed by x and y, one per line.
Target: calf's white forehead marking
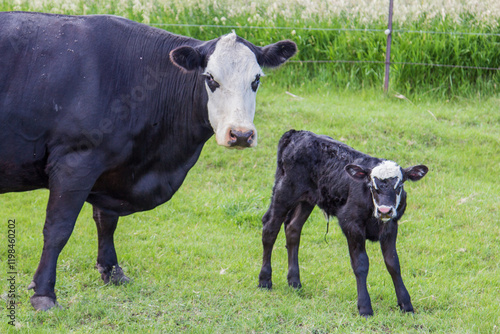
pixel 386 170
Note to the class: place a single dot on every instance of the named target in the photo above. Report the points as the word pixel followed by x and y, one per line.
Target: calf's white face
pixel 232 80
pixel 385 182
pixel 386 188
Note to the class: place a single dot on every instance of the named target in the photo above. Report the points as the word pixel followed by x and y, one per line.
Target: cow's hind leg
pixel 293 229
pixel 107 262
pixel 62 210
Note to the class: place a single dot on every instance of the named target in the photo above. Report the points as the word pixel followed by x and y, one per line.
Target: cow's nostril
pixel 240 138
pixel 232 136
pixel 249 136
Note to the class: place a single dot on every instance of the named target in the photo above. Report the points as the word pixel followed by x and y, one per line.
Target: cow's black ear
pixel 415 173
pixel 276 54
pixel 357 172
pixel 186 58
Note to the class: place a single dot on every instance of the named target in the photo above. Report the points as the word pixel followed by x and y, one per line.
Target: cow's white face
pixel 232 80
pixel 232 72
pixel 386 187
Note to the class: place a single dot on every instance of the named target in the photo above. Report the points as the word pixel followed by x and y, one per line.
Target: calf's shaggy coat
pixel 365 193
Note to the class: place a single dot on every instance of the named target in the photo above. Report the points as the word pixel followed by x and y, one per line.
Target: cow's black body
pixel 94 109
pixel 99 93
pixel 310 171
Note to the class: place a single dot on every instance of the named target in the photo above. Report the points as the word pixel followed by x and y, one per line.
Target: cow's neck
pixel 174 140
pixel 168 127
pixel 183 120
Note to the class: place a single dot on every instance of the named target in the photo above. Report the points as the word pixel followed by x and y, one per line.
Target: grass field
pixel 195 260
pixel 354 55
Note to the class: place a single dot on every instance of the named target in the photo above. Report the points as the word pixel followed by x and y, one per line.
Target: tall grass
pixel 301 18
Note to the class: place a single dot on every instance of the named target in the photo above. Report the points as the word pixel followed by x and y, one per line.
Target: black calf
pixel 366 195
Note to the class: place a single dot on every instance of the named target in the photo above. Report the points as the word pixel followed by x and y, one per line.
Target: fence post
pixel 388 32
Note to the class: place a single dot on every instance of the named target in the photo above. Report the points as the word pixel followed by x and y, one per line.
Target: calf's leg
pixel 287 191
pixel 293 229
pixel 391 259
pixel 360 265
pixel 271 221
pixel 107 262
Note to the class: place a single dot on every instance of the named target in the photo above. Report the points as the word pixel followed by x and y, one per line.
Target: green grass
pixel 195 260
pixel 367 46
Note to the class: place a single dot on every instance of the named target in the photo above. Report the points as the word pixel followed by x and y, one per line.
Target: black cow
pixel 366 195
pixel 113 112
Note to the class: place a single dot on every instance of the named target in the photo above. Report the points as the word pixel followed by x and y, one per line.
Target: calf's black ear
pixel 276 54
pixel 415 173
pixel 186 58
pixel 357 172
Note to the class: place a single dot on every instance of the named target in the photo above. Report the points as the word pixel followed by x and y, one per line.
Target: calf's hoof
pixel 44 303
pixel 407 308
pixel 366 312
pixel 265 285
pixel 295 284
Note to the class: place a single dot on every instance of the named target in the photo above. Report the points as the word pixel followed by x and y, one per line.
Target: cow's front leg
pixel 293 229
pixel 107 262
pixel 360 264
pixel 62 211
pixel 391 259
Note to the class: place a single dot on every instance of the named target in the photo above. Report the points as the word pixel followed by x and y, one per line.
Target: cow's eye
pixel 399 188
pixel 256 82
pixel 212 84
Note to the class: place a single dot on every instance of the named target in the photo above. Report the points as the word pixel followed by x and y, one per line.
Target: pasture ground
pixel 195 260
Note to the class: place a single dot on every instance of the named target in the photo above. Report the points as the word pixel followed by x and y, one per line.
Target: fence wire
pixel 267 28
pixel 326 29
pixel 353 30
pixel 394 63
